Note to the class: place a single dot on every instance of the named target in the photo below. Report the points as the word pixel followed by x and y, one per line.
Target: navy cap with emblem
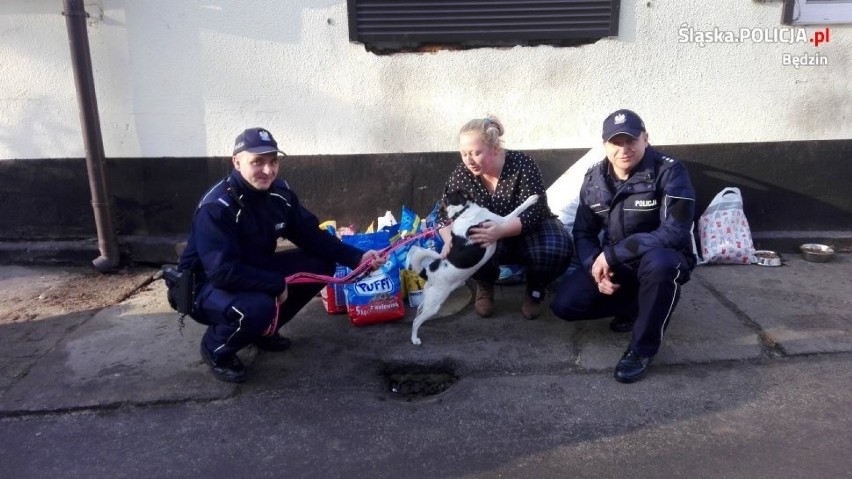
pixel 256 140
pixel 622 122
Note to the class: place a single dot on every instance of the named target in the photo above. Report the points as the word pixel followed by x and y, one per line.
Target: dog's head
pixel 455 202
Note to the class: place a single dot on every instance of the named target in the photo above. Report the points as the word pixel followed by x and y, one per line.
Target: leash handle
pixel 363 268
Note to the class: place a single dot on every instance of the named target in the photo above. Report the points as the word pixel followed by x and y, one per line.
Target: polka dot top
pixel 519 179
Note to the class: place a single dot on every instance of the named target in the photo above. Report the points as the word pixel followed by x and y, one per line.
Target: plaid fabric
pixel 545 251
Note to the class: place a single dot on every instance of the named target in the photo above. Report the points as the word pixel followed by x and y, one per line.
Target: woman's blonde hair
pixel 489 129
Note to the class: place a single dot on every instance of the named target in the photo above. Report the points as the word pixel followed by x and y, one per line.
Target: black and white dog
pixel 444 275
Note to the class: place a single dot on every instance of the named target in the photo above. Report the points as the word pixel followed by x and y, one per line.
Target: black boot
pixel 275 343
pixel 632 367
pixel 622 323
pixel 226 368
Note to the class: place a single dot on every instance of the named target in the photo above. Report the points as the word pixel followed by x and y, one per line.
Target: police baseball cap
pixel 256 140
pixel 622 122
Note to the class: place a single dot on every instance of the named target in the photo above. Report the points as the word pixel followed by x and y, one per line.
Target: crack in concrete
pixel 770 347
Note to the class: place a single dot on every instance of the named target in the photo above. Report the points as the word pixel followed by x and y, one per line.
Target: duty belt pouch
pixel 181 289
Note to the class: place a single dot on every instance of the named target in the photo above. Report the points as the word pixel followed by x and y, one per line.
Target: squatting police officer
pixel 644 204
pixel 241 292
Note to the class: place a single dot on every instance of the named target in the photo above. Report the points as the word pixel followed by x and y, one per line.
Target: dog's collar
pixel 453 218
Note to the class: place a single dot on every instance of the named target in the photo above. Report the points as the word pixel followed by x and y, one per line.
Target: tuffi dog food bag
pixel 375 298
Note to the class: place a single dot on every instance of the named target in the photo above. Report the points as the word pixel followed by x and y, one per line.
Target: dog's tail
pixel 520 209
pixel 417 256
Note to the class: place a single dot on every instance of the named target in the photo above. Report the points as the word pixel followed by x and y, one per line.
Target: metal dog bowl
pixel 764 257
pixel 817 253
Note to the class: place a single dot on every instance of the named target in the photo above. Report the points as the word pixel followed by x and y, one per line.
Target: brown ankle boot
pixel 531 308
pixel 484 304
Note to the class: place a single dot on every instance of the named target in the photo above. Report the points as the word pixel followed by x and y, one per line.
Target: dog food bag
pixel 435 242
pixel 375 298
pixel 409 225
pixel 333 295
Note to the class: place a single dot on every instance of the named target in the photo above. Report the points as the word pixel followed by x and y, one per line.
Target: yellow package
pixel 412 281
pixel 330 226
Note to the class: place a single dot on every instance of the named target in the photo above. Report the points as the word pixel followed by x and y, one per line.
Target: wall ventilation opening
pixel 397 26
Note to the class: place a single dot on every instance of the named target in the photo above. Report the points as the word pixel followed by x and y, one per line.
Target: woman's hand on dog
pixel 490 232
pixel 486 233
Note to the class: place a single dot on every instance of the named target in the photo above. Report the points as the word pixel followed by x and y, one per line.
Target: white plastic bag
pixel 385 221
pixel 563 196
pixel 724 232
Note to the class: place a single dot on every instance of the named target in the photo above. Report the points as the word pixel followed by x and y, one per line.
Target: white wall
pixel 181 78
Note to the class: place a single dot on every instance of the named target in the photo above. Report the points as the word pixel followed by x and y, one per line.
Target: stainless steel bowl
pixel 765 257
pixel 817 253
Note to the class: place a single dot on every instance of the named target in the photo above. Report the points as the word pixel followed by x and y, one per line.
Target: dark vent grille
pixel 446 21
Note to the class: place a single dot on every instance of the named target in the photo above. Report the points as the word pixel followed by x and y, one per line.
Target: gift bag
pixel 724 232
pixel 376 297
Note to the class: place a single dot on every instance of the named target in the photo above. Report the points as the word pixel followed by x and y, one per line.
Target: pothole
pixel 416 381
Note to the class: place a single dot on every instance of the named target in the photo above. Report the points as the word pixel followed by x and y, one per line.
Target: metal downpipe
pixel 81 60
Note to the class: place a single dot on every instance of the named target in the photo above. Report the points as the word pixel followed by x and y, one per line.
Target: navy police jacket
pixel 653 208
pixel 235 231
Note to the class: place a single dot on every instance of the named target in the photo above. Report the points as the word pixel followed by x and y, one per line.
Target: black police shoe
pixel 275 343
pixel 622 324
pixel 631 367
pixel 228 368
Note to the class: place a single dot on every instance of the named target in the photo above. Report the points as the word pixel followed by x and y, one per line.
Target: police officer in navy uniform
pixel 643 203
pixel 241 292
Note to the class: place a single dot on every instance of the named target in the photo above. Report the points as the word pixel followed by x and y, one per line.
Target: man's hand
pixel 600 268
pixel 602 275
pixel 607 287
pixel 376 260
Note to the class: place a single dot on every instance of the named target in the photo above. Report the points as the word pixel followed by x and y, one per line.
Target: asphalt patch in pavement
pixel 411 382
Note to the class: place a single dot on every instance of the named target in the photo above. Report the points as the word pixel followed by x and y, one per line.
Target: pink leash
pixel 305 277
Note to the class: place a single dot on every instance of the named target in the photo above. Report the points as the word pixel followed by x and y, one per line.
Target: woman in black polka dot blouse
pixel 501 180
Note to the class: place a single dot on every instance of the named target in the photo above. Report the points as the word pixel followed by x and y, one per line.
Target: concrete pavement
pixel 132 353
